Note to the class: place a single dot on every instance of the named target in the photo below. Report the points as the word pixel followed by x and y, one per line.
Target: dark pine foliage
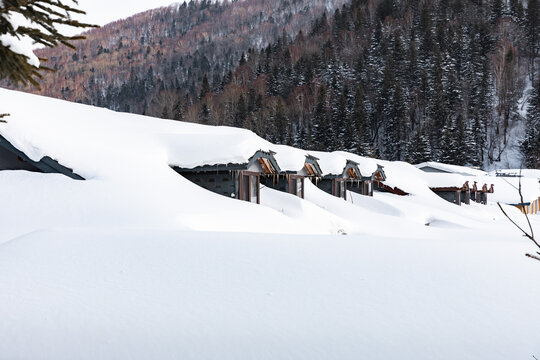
pixel 430 80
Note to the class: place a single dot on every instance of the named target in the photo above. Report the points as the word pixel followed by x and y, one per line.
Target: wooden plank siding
pixel 531 208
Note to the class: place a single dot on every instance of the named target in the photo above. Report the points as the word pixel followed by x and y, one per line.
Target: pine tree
pixel 384 106
pixel 300 136
pixel 205 87
pixel 531 145
pixel 438 108
pixel 165 112
pixel 447 145
pixel 280 123
pixel 460 141
pixel 205 115
pixel 516 10
pixel 240 115
pixel 419 149
pixel 426 45
pixel 471 147
pixel 412 75
pixel 361 124
pixel 394 135
pixel 47 16
pixel 323 138
pixel 533 33
pixel 339 121
pixel 350 139
pixel 399 57
pixel 496 10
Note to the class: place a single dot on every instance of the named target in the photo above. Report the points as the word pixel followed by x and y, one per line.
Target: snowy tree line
pixel 402 80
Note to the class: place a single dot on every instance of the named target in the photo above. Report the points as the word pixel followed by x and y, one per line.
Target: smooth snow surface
pixel 83 294
pixel 137 262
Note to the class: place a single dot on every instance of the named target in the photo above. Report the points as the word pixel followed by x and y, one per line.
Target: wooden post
pixel 258 181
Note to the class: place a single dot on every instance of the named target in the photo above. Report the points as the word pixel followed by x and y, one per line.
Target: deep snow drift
pixel 137 262
pixel 175 295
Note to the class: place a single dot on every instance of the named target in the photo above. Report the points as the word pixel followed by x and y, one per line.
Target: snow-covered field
pixel 158 294
pixel 137 262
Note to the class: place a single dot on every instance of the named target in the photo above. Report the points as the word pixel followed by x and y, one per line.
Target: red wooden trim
pixel 445 189
pixel 394 190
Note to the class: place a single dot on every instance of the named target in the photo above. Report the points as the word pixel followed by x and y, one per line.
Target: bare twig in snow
pixel 525 233
pixel 536 257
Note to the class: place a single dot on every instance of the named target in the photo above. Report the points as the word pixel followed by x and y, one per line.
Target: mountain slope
pixel 403 80
pixel 125 64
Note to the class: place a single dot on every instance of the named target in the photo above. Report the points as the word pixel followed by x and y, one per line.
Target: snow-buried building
pixel 336 184
pixel 456 188
pixel 12 158
pixel 237 180
pixel 293 181
pixel 243 180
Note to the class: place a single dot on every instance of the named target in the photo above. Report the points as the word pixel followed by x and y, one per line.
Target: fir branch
pixel 45 15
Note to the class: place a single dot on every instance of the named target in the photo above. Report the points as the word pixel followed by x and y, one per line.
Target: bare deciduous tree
pixel 528 234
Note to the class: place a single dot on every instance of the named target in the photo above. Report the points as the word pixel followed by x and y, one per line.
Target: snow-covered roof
pixel 92 140
pixel 444 180
pixel 505 189
pixel 453 169
pixel 99 143
pixel 531 173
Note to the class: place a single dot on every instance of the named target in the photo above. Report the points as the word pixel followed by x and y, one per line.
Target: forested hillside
pixel 447 80
pixel 407 80
pixel 127 64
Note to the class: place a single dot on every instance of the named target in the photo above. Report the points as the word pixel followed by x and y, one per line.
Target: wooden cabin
pixel 484 193
pixel 453 194
pixel 368 184
pixel 337 184
pixel 240 181
pixel 479 194
pixel 293 182
pixel 12 158
pixel 466 194
pixel 473 191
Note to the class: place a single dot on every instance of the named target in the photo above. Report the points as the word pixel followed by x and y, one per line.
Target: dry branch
pixel 525 233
